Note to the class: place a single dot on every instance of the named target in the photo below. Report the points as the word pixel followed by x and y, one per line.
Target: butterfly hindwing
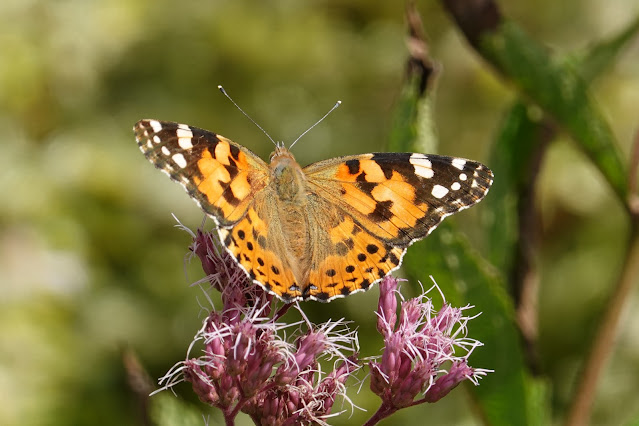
pixel 220 175
pixel 257 246
pixel 355 262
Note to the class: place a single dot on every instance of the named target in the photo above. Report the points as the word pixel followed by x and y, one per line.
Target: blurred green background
pixel 90 261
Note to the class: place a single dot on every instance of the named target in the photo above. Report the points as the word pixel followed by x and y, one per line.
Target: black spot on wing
pixel 321 296
pixel 235 152
pixel 353 166
pixel 230 198
pixel 232 169
pixel 382 211
pixel 364 185
pixel 391 162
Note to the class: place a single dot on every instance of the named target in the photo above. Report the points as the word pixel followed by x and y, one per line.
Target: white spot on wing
pixel 179 160
pixel 166 151
pixel 423 166
pixel 463 176
pixel 455 186
pixel 184 133
pixel 156 139
pixel 459 163
pixel 155 125
pixel 185 143
pixel 439 191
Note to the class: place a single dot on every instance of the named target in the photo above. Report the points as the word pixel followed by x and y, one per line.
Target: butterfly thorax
pixel 288 177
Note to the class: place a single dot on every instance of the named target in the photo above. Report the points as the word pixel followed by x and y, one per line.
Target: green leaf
pixel 513 162
pixel 520 141
pixel 413 129
pixel 559 90
pixel 600 56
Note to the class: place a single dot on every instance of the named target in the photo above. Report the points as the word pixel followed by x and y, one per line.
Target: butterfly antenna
pixel 246 115
pixel 338 103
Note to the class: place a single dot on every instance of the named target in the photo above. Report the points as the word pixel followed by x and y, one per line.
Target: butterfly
pixel 324 231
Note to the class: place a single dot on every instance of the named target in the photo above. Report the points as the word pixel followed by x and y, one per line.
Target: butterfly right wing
pixel 384 202
pixel 219 174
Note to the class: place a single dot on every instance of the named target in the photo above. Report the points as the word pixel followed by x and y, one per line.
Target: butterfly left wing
pixel 387 202
pixel 231 184
pixel 219 174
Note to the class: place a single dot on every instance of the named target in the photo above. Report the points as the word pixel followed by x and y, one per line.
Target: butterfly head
pixel 287 174
pixel 280 151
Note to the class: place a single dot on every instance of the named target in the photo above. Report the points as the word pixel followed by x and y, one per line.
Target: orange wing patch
pixel 388 209
pixel 383 201
pixel 224 180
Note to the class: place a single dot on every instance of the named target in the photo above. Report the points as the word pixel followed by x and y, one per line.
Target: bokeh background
pixel 91 264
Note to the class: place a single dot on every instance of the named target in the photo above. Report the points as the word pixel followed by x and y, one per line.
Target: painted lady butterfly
pixel 320 232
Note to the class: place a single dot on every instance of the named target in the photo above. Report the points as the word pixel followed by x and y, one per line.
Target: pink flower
pixel 418 346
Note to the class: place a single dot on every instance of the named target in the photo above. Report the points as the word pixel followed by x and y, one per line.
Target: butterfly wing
pixel 220 175
pixel 387 202
pixel 258 244
pixel 230 183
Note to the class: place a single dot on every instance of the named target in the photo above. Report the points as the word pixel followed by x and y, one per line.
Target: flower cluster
pixel 248 363
pixel 248 366
pixel 417 346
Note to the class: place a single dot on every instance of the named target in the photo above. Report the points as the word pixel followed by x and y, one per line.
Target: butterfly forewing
pixel 220 175
pixel 400 197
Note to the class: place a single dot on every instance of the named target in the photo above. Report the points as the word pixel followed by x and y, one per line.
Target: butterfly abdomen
pixel 289 183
